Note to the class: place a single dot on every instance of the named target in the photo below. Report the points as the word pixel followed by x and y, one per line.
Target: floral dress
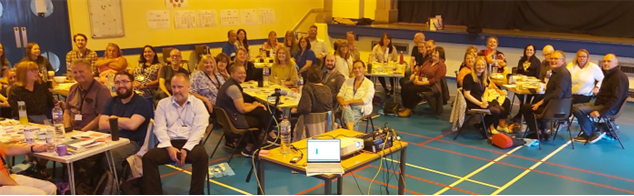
pixel 144 75
pixel 206 86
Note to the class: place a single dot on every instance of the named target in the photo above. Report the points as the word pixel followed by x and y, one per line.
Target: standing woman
pixel 291 42
pixel 343 62
pixel 222 60
pixel 112 62
pixel 4 65
pixel 253 74
pixel 384 51
pixel 586 77
pixel 283 68
pixel 33 54
pixel 304 56
pixel 146 73
pixel 272 44
pixel 355 97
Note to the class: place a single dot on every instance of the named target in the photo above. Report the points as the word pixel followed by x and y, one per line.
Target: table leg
pixel 394 88
pixel 522 116
pixel 113 168
pixel 71 178
pixel 260 175
pixel 340 185
pixel 328 187
pixel 401 178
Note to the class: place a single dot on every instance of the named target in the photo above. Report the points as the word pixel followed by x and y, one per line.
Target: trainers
pixel 580 138
pixel 596 137
pixel 247 153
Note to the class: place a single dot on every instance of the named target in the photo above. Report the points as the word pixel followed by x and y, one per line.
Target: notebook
pixel 323 157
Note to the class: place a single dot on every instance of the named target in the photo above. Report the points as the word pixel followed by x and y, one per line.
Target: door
pixel 46 23
pixel 10 34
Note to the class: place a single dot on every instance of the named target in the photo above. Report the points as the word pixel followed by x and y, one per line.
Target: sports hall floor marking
pixel 428 181
pixel 212 181
pixel 529 169
pixel 445 174
pixel 477 170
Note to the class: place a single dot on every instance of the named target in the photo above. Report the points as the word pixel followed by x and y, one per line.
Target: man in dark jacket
pixel 611 96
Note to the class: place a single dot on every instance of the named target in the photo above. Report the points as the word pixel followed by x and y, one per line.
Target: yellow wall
pixel 369 9
pixel 137 33
pixel 345 8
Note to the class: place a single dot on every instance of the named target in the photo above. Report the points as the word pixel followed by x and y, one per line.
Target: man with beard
pixel 81 53
pixel 317 45
pixel 332 78
pixel 179 125
pixel 133 113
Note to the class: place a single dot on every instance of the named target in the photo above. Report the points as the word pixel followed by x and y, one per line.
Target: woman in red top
pixel 427 80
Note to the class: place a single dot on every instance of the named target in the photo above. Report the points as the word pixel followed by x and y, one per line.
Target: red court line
pixel 513 155
pixel 381 183
pixel 428 181
pixel 436 138
pixel 179 171
pixel 525 168
pixel 322 184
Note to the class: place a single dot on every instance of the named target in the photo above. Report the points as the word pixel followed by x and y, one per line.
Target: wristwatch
pixel 32 150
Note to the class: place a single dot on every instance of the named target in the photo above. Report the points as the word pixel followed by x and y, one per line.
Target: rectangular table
pixel 350 164
pixel 262 94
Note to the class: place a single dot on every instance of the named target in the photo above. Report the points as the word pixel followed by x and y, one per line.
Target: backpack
pixel 106 185
pixel 503 141
pixel 132 186
pixel 391 108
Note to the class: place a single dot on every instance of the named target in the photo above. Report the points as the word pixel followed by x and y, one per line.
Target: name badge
pixel 78 117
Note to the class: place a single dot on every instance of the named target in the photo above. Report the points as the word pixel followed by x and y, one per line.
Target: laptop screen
pixel 323 150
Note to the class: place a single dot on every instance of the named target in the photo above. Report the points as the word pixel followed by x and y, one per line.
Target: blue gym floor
pixel 436 164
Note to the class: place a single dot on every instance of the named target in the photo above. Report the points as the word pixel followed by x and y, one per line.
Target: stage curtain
pixel 603 18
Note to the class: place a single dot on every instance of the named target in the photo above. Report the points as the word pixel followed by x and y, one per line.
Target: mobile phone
pixel 294 160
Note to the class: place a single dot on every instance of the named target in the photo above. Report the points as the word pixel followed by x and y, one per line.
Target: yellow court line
pixel 529 169
pixel 445 174
pixel 477 171
pixel 213 181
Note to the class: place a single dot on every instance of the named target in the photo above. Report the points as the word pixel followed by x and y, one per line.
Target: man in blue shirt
pixel 230 47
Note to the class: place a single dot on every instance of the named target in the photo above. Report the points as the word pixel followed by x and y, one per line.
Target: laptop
pixel 323 157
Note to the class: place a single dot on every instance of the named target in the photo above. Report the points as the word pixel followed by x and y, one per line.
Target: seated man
pixel 242 114
pixel 15 184
pixel 332 78
pixel 85 100
pixel 179 125
pixel 165 76
pixel 612 94
pixel 133 113
pixel 558 87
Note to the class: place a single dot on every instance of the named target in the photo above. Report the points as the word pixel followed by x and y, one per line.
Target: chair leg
pixel 570 134
pixel 236 149
pixel 209 134
pixel 613 132
pixel 371 122
pixel 484 127
pixel 218 144
pixel 460 129
pixel 556 127
pixel 208 186
pixel 537 132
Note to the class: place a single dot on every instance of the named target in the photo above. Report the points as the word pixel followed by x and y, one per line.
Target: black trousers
pixel 497 112
pixel 159 156
pixel 529 116
pixel 409 95
pixel 382 81
pixel 580 99
pixel 260 119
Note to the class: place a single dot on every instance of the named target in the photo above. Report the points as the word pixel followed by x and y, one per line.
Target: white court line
pixel 529 169
pixel 213 181
pixel 478 170
pixel 445 174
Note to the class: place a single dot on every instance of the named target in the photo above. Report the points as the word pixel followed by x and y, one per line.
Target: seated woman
pixel 242 114
pixel 304 56
pixel 465 68
pixel 33 54
pixel 343 62
pixel 316 97
pixel 427 79
pixel 383 52
pixel 283 68
pixel 495 61
pixel 4 65
pixel 112 62
pixel 222 60
pixel 271 45
pixel 481 93
pixel 242 58
pixel 355 97
pixel 206 81
pixel 586 77
pixel 528 65
pixel 5 108
pixel 146 73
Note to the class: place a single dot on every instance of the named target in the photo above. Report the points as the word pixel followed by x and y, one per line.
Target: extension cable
pixel 380 165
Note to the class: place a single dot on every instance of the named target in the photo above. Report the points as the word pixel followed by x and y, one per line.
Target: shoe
pixel 247 153
pixel 271 140
pixel 581 138
pixel 294 172
pixel 596 137
pixel 545 136
pixel 503 129
pixel 405 113
pixel 230 146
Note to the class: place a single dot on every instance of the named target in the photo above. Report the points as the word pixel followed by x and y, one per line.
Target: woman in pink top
pixel 112 62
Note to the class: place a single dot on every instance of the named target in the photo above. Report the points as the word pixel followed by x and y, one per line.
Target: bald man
pixel 332 78
pixel 612 94
pixel 559 86
pixel 416 57
pixel 548 49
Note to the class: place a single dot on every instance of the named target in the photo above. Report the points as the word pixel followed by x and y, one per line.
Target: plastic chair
pixel 472 113
pixel 607 120
pixel 228 128
pixel 556 111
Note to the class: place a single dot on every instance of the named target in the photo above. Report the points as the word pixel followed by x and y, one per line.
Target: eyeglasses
pixel 122 82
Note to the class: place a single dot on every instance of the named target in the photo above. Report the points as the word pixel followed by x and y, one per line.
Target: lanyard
pixel 83 98
pixel 354 87
pixel 179 115
pixel 212 81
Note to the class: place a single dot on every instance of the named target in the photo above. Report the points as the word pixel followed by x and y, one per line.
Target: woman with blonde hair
pixel 481 93
pixel 291 42
pixel 344 59
pixel 206 81
pixel 242 58
pixel 111 62
pixel 283 68
pixel 272 44
pixel 586 77
pixel 466 67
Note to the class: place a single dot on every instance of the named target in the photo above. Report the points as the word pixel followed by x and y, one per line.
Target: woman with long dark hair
pixel 146 73
pixel 4 65
pixel 384 52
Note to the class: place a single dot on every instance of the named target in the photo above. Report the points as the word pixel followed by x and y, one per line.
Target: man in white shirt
pixel 318 45
pixel 179 124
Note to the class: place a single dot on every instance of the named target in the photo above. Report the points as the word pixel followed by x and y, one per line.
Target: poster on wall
pixel 249 16
pixel 229 17
pixel 158 19
pixel 207 18
pixel 106 18
pixel 266 16
pixel 185 19
pixel 176 4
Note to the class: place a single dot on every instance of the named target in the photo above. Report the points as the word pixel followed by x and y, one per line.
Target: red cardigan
pixel 432 73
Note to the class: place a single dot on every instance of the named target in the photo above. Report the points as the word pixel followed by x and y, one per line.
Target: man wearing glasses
pixel 165 76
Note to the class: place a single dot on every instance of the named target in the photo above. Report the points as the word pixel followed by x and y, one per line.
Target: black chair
pixel 473 113
pixel 228 128
pixel 607 121
pixel 556 112
pixel 369 124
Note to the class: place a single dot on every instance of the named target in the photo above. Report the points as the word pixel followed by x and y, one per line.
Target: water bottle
pixel 300 84
pixel 58 123
pixel 110 83
pixel 50 139
pixel 24 119
pixel 285 135
pixel 265 73
pixel 402 61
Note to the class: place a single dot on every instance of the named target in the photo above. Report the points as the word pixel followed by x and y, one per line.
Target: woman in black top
pixel 316 97
pixel 5 108
pixel 30 89
pixel 476 87
pixel 253 74
pixel 528 65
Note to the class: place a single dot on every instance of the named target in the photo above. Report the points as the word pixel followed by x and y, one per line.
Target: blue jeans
pixel 582 111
